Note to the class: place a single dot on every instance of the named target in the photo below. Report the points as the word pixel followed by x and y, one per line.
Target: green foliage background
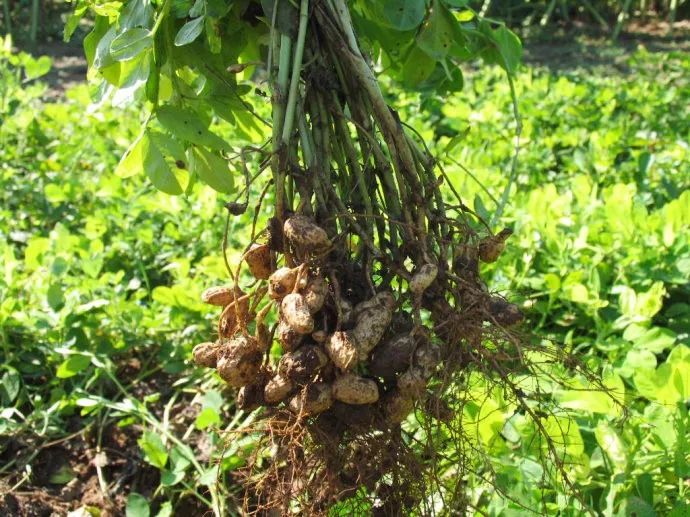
pixel 100 272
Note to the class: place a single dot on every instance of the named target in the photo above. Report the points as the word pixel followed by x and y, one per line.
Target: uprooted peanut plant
pixel 367 276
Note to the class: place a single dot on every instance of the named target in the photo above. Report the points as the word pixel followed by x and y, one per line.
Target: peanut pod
pixel 220 295
pixel 296 314
pixel 251 397
pixel 353 389
pixel 342 349
pixel 372 320
pixel 303 364
pixel 392 356
pixel 258 259
pixel 396 407
pixel 315 294
pixel 412 383
pixel 490 248
pixel 303 233
pixel 240 361
pixel 233 313
pixel 282 282
pixel 315 398
pixel 289 339
pixel 277 389
pixel 423 278
pixel 206 354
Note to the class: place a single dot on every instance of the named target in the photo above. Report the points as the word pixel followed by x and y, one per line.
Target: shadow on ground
pixel 582 47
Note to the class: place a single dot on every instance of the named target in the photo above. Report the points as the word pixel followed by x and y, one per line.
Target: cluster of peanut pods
pixel 333 352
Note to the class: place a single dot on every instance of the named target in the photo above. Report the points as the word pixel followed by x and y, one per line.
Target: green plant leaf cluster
pixel 600 261
pixel 178 60
pixel 100 272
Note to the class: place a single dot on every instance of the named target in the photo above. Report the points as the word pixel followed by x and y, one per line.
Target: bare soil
pixel 67 475
pixel 586 47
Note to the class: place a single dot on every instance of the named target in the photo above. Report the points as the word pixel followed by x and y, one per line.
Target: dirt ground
pixel 68 473
pixel 69 67
pixel 93 467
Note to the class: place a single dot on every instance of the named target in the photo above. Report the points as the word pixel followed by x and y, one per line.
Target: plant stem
pixel 595 14
pixel 33 29
pixel 672 14
pixel 547 14
pixel 622 17
pixel 279 88
pixel 513 167
pixel 296 71
pixel 6 14
pixel 355 169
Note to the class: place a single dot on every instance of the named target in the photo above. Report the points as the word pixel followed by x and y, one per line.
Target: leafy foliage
pixel 192 64
pixel 100 270
pixel 600 254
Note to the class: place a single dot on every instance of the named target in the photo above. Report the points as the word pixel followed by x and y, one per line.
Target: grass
pixel 101 276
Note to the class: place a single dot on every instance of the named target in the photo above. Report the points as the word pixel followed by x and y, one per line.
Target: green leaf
pixel 55 297
pixel 670 382
pixel 197 9
pixel 577 293
pixel 645 487
pixel 189 31
pixel 612 445
pixel 73 22
pixel 655 340
pixel 680 509
pixel 137 506
pixel 565 434
pixel 505 48
pixel 62 475
pixel 34 68
pixel 73 365
pixel 171 478
pixel 166 510
pixel 170 147
pixel 158 170
pixel 11 384
pixel 403 15
pixel 509 47
pixel 213 170
pixel 438 32
pixel 591 398
pixel 207 418
pixel 209 477
pixel 456 140
pixel 217 8
pixel 186 125
pixel 640 307
pixel 132 162
pixel 480 208
pixel 287 17
pixel 136 13
pixel 131 80
pixel 636 507
pixel 417 67
pixel 131 43
pixel 154 450
pixel 637 360
pixel 213 399
pixel 179 458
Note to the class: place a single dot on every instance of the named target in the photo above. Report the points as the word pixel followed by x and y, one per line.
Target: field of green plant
pixel 102 412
